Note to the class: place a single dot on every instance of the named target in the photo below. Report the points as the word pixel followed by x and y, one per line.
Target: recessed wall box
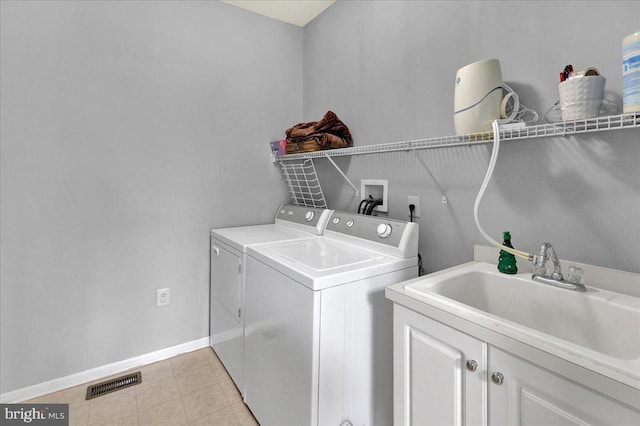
pixel 377 188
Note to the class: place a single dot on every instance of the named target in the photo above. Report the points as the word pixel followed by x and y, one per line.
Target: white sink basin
pixel 598 327
pixel 593 319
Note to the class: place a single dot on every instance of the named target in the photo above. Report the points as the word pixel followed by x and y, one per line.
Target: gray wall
pixel 127 129
pixel 387 69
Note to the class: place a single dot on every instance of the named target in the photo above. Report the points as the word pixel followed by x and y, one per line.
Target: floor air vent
pixel 113 385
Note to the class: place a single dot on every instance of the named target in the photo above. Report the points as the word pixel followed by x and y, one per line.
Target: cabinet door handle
pixel 472 365
pixel 497 378
pixel 216 250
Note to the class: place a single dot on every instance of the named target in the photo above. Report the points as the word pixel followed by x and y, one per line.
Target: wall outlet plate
pixel 415 200
pixel 162 297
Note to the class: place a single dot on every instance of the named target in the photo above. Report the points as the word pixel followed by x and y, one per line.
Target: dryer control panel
pixel 310 219
pixel 399 237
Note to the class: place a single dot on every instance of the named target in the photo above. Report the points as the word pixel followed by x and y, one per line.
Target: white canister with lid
pixel 631 73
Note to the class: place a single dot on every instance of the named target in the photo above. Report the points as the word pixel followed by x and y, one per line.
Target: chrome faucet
pixel 555 279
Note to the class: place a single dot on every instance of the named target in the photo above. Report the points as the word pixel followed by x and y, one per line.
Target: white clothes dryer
pixel 318 329
pixel 228 253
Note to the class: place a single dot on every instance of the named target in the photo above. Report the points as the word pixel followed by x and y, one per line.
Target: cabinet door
pixel 432 384
pixel 531 395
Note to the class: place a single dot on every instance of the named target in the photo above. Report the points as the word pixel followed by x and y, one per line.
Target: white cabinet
pixel 439 373
pixel 530 395
pixel 434 386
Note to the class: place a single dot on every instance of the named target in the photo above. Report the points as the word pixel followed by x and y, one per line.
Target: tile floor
pixel 189 389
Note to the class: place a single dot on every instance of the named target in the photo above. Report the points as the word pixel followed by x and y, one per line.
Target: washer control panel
pixel 372 228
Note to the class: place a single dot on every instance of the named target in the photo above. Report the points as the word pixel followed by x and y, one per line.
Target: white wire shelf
pixel 566 128
pixel 302 183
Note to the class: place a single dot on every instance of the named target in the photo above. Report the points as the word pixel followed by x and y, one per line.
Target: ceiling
pixel 296 12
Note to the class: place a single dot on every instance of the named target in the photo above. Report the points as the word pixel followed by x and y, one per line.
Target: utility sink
pixel 592 319
pixel 600 325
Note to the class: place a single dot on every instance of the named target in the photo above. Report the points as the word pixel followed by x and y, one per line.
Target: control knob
pixel 384 230
pixel 309 216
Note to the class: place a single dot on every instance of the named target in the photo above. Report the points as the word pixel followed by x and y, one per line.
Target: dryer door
pixel 227 336
pixel 226 280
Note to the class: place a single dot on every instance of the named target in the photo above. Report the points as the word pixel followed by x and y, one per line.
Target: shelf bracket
pixel 445 200
pixel 343 175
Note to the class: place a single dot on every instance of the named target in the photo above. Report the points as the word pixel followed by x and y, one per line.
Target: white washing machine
pixel 318 329
pixel 228 248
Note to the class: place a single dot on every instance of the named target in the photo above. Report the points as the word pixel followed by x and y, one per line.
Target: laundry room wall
pixel 387 69
pixel 128 130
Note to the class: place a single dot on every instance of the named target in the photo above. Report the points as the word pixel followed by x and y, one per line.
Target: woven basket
pixel 308 146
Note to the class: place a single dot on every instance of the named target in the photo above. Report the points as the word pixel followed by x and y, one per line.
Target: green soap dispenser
pixel 507 261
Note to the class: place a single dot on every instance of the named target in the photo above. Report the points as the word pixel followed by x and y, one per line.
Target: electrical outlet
pixel 162 297
pixel 415 200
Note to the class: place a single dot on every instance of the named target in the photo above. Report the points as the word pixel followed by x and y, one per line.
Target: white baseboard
pixel 61 383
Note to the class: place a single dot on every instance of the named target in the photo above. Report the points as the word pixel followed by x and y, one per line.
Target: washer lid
pixel 322 254
pixel 321 262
